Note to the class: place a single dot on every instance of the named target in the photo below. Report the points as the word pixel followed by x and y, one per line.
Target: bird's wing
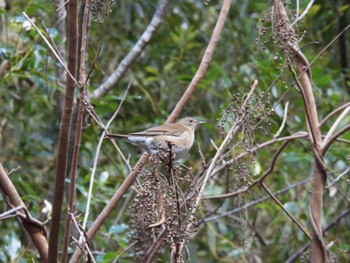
pixel 171 129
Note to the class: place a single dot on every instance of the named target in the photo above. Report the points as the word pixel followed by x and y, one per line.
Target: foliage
pixel 29 122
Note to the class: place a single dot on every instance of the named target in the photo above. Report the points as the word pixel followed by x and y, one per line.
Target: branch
pixel 338 177
pixel 278 133
pixel 334 137
pixel 252 203
pixel 58 56
pixel 285 210
pixel 134 53
pixel 333 113
pixel 287 38
pixel 34 228
pixel 307 9
pixel 334 126
pixel 81 110
pixel 334 222
pixel 205 61
pixel 97 153
pixel 176 112
pixel 230 135
pixel 67 108
pixel 260 146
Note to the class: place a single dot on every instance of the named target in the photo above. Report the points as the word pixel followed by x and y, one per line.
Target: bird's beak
pixel 201 122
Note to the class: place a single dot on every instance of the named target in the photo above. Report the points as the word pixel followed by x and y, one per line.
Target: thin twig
pixel 283 121
pixel 307 9
pixel 97 153
pixel 339 177
pixel 334 137
pixel 134 53
pixel 12 212
pixel 83 241
pixel 58 57
pixel 333 223
pixel 256 148
pixel 285 210
pixel 252 203
pixel 126 249
pixel 325 119
pixel 329 44
pixel 233 131
pixel 335 125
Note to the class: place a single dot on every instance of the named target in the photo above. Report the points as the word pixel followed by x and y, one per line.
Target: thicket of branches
pixel 267 179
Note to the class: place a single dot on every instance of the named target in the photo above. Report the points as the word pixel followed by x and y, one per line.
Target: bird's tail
pixel 116 136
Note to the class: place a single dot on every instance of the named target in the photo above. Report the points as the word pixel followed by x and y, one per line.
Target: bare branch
pixel 252 203
pixel 285 210
pixel 260 146
pixel 79 120
pixel 307 9
pixel 134 53
pixel 58 57
pixel 287 39
pixel 339 177
pixel 283 121
pixel 335 125
pixel 333 223
pixel 233 131
pixel 97 153
pixel 202 69
pixel 12 212
pixel 34 228
pixel 333 113
pixel 335 137
pixel 83 241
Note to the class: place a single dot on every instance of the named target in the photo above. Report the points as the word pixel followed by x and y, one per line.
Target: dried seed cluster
pixel 161 194
pixel 100 9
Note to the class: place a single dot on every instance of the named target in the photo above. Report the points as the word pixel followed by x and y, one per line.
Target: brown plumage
pixel 157 139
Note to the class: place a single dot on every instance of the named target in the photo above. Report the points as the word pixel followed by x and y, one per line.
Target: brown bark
pixel 64 135
pixel 72 9
pixel 287 38
pixel 33 227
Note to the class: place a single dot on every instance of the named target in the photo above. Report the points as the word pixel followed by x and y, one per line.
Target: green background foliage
pixel 29 120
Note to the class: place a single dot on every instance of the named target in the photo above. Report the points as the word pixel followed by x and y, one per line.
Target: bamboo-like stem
pixel 284 29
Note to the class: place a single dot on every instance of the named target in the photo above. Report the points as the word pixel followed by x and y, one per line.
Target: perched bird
pixel 176 138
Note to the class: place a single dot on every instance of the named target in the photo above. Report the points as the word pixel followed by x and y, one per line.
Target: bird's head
pixel 190 122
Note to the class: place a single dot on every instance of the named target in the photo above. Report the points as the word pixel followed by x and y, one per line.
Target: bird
pixel 176 138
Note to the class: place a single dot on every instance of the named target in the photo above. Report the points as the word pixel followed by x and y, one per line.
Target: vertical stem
pixel 318 253
pixel 316 201
pixel 61 162
pixel 80 117
pixel 72 9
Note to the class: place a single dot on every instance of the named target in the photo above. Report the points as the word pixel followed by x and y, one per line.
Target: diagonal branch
pixel 143 160
pixel 31 225
pixel 230 135
pixel 252 203
pixel 134 53
pixel 331 131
